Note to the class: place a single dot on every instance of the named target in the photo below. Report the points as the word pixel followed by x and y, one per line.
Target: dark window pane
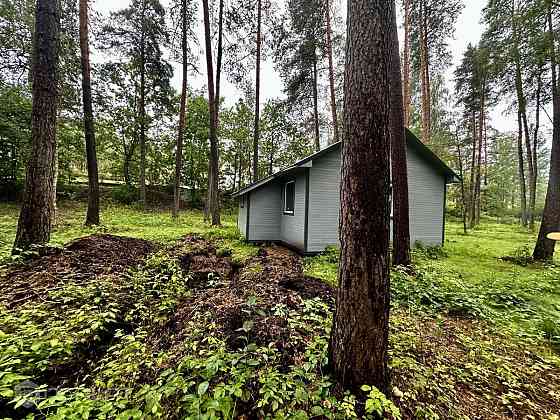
pixel 289 197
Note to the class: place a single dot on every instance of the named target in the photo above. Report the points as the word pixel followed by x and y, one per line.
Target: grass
pixel 472 335
pixel 468 278
pixel 154 225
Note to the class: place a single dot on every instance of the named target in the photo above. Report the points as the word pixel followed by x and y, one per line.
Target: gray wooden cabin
pixel 299 206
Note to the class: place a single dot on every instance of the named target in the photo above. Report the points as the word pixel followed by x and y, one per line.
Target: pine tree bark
pixel 182 113
pixel 399 166
pixel 316 103
pixel 256 134
pixel 142 177
pixel 359 339
pixel 406 64
pixel 472 185
pixel 521 168
pixel 92 215
pixel 425 75
pixel 213 170
pixel 522 107
pixel 481 124
pixel 461 172
pixel 35 219
pixel 544 248
pixel 336 136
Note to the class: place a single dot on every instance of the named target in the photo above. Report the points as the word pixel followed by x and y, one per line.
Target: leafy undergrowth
pixel 190 332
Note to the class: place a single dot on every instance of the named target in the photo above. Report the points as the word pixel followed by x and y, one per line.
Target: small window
pixel 289 197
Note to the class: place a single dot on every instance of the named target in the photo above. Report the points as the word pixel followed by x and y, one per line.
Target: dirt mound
pixel 243 303
pixel 80 261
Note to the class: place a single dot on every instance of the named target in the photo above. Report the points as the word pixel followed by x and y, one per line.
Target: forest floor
pixel 150 318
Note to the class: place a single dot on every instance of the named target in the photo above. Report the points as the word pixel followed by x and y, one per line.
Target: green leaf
pixel 202 388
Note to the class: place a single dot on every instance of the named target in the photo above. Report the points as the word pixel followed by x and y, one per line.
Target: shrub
pixel 125 194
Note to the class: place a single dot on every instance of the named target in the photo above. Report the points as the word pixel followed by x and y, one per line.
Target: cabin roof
pixel 412 141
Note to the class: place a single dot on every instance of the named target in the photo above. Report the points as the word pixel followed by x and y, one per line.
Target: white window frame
pixel 286 211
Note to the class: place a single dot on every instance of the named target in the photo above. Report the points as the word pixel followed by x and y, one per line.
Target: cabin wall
pixel 426 201
pixel 242 215
pixel 324 202
pixel 292 227
pixel 264 210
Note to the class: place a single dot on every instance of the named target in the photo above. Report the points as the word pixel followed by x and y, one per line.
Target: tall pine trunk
pixel 461 172
pixel 213 170
pixel 142 177
pixel 35 219
pixel 359 338
pixel 472 185
pixel 521 169
pixel 425 76
pixel 256 133
pixel 336 136
pixel 92 216
pixel 544 249
pixel 316 102
pixel 524 130
pixel 399 173
pixel 182 113
pixel 406 64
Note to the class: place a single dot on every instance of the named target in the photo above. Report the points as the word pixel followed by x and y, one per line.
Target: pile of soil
pixel 82 260
pixel 235 294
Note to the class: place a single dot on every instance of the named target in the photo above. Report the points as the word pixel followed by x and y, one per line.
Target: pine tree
pixel 34 225
pixel 359 338
pixel 92 216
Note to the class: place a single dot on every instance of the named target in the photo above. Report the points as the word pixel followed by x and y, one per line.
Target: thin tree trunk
pixel 479 164
pixel 544 248
pixel 35 218
pixel 336 137
pixel 425 76
pixel 256 134
pixel 316 104
pixel 359 338
pixel 535 147
pixel 182 113
pixel 142 178
pixel 213 172
pixel 92 216
pixel 406 64
pixel 463 197
pixel 472 188
pixel 522 106
pixel 219 56
pixel 522 180
pixel 399 173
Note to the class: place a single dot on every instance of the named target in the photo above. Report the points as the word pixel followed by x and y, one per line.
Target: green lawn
pixel 154 225
pixel 469 278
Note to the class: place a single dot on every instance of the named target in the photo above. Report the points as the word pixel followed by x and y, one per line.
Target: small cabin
pixel 299 206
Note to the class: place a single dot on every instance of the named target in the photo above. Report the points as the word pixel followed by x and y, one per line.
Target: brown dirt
pixel 275 276
pixel 441 345
pixel 82 260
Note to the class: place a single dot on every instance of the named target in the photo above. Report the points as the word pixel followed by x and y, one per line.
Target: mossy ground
pixel 472 335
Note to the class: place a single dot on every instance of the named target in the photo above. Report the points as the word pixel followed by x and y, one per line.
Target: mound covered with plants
pixel 114 327
pixel 192 331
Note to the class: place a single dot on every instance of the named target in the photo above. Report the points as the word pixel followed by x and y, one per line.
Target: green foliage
pixel 125 194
